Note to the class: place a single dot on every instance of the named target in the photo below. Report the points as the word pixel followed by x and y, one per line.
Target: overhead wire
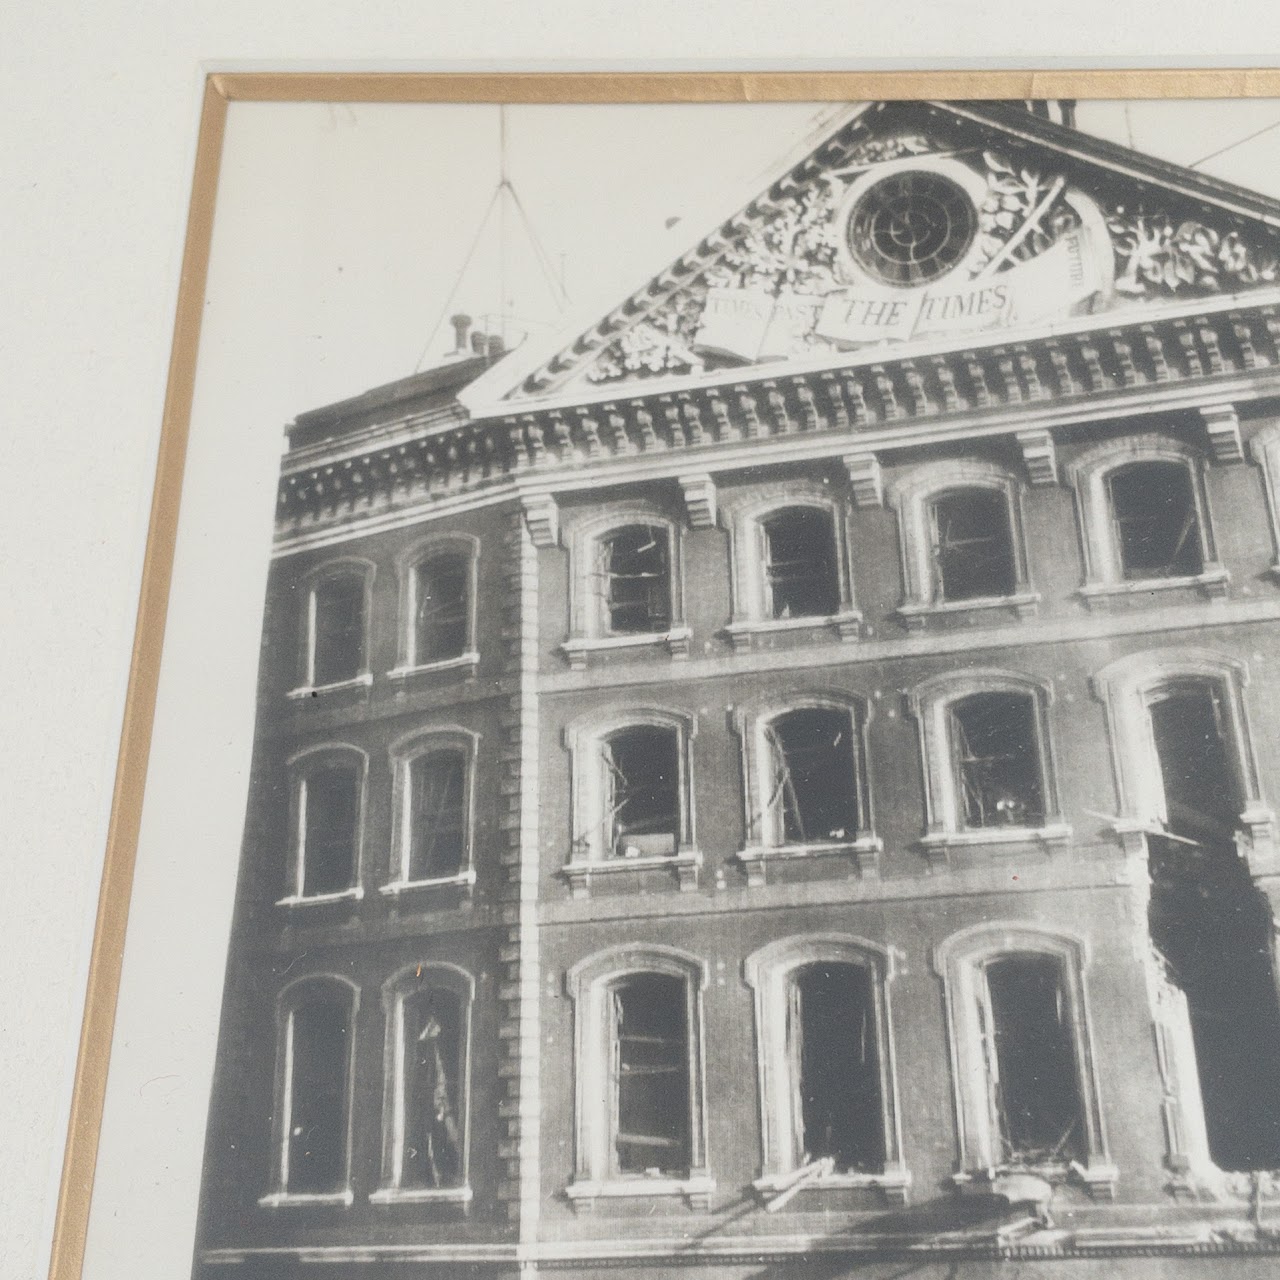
pixel 1231 146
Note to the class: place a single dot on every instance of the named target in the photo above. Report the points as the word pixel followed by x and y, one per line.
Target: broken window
pixel 441 622
pixel 434 1059
pixel 642 813
pixel 814 788
pixel 337 629
pixel 319 1056
pixel 801 569
pixel 835 1064
pixel 1213 928
pixel 972 545
pixel 329 803
pixel 635 580
pixel 996 753
pixel 650 1075
pixel 438 819
pixel 1157 527
pixel 1029 1055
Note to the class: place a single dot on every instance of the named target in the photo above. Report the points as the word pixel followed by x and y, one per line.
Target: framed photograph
pixel 717 713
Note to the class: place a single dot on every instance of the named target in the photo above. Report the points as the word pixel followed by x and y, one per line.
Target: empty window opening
pixel 800 564
pixel 835 1064
pixel 642 791
pixel 441 588
pixel 1157 527
pixel 316 1150
pixel 972 545
pixel 434 1061
pixel 814 793
pixel 650 1075
pixel 1024 1018
pixel 330 816
pixel 996 752
pixel 635 580
pixel 1212 928
pixel 438 822
pixel 337 630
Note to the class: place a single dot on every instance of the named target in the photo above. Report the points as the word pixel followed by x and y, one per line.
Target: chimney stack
pixel 461 327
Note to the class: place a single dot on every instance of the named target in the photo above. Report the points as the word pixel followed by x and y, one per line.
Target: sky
pixel 341 230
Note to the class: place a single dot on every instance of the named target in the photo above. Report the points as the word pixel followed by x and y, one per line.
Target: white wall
pixel 100 108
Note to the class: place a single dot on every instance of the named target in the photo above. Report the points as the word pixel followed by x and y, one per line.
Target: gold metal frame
pixel 72 1220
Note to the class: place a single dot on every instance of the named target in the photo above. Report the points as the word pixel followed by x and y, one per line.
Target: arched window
pixel 1022 1055
pixel 802 577
pixel 641 1121
pixel 313 1092
pixel 632 807
pixel 633 580
pixel 431 828
pixel 828 1098
pixel 1144 517
pixel 327 796
pixel 437 604
pixel 335 625
pixel 988 762
pixel 963 547
pixel 426 1105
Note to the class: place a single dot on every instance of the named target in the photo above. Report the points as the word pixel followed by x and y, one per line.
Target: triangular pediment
pixel 910 225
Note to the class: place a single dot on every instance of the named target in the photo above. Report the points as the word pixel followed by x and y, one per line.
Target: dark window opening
pixel 1157 528
pixel 317 1139
pixel 997 761
pixel 800 564
pixel 972 545
pixel 835 1061
pixel 1024 1017
pixel 642 791
pixel 441 589
pixel 438 825
pixel 434 1059
pixel 815 792
pixel 650 1075
pixel 1212 928
pixel 338 637
pixel 635 572
pixel 331 817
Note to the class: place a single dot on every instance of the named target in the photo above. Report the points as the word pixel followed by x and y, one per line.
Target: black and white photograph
pixel 767 725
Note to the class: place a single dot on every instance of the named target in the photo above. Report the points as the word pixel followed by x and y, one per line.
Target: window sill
pixel 865 853
pixel 1099 1180
pixel 465 878
pixel 1212 582
pixel 695 1190
pixel 285 1199
pixel 577 648
pixel 685 864
pixel 938 844
pixel 469 660
pixel 319 899
pixel 422 1195
pixel 362 681
pixel 742 634
pixel 915 614
pixel 893 1183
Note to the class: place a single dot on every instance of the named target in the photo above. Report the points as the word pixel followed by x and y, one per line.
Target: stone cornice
pixel 1199 356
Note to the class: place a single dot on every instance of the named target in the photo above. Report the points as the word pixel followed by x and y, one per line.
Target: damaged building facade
pixel 779 781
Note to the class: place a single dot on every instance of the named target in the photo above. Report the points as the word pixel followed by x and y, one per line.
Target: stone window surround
pixel 289 999
pixel 308 584
pixel 1088 473
pixel 958 961
pixel 745 513
pixel 769 972
pixel 1264 449
pixel 911 494
pixel 583 739
pixel 300 765
pixel 749 721
pixel 402 753
pixel 930 703
pixel 407 981
pixel 588 984
pixel 463 545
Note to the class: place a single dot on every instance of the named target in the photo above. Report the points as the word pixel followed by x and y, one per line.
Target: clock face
pixel 912 227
